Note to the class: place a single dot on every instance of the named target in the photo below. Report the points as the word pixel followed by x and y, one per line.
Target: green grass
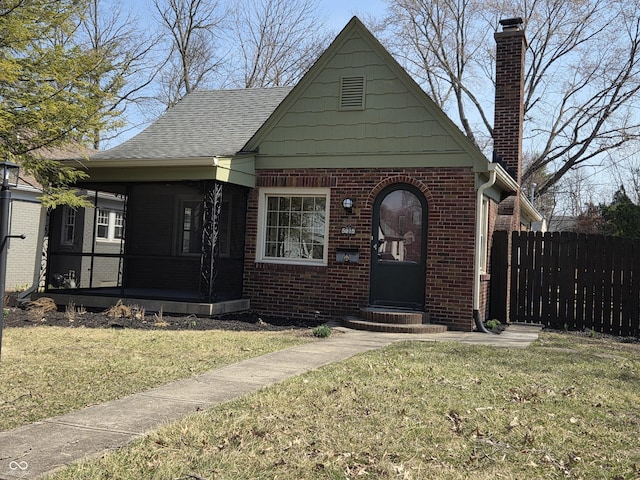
pixel 413 411
pixel 48 371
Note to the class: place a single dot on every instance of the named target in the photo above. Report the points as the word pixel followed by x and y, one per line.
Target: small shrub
pixel 42 305
pixel 322 331
pixel 119 310
pixel 158 319
pixel 493 324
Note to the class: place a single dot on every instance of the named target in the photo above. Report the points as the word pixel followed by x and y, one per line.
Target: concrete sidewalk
pixel 39 448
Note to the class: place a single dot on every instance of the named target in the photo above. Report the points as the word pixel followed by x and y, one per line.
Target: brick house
pixel 351 189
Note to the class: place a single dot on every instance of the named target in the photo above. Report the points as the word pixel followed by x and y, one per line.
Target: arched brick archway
pixel 431 202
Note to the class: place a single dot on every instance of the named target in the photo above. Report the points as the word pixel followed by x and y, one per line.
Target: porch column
pixel 210 243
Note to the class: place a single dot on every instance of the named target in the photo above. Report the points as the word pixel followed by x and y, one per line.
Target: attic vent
pixel 352 93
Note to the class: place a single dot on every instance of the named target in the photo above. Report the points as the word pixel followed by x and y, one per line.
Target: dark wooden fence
pixel 568 280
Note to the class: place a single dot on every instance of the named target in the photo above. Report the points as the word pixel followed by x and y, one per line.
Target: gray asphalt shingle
pixel 203 124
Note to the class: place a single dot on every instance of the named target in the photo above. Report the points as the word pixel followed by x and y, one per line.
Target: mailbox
pixel 347 255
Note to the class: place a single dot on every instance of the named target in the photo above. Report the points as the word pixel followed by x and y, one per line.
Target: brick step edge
pixel 392 316
pixel 359 324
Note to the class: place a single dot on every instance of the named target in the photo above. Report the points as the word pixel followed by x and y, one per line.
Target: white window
pixel 109 225
pixel 102 227
pixel 484 235
pixel 68 225
pixel 293 225
pixel 118 225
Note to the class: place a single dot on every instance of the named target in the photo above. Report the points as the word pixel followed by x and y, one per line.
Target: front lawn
pixel 48 371
pixel 567 407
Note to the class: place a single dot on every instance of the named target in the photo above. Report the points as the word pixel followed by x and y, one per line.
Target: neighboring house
pixel 27 257
pixel 98 231
pixel 26 218
pixel 557 223
pixel 348 190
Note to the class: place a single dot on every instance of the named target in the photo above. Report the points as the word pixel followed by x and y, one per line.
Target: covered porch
pixel 173 247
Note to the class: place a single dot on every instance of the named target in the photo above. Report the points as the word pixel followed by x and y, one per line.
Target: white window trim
pixel 111 226
pixel 484 236
pixel 66 211
pixel 262 220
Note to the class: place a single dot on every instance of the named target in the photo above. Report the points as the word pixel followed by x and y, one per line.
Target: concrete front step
pixel 393 316
pixel 359 324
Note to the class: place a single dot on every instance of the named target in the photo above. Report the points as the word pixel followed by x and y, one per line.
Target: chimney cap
pixel 511 23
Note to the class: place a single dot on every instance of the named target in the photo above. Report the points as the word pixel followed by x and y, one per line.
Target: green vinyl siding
pixel 395 118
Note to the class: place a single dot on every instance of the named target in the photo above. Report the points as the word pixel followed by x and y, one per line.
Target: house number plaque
pixel 348 230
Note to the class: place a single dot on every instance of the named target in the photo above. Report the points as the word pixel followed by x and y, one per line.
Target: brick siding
pixel 339 289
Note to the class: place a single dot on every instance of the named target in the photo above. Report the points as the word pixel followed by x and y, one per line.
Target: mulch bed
pixel 31 316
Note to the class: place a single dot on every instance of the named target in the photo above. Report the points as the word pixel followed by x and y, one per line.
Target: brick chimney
pixel 511 45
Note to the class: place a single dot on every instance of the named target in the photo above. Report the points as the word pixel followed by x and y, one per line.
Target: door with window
pixel 398 242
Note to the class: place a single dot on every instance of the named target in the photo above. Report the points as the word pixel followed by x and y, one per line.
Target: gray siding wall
pixel 22 255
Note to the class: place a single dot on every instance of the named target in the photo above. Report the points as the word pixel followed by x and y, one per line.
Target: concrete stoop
pixel 388 320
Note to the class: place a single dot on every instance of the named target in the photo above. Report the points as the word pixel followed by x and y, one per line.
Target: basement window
pixel 352 93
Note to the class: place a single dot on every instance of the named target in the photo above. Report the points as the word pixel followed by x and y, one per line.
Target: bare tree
pixel 126 68
pixel 582 73
pixel 579 192
pixel 545 203
pixel 277 40
pixel 194 28
pixel 624 169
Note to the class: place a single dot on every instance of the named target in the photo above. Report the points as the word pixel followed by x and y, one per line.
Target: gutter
pixel 528 211
pixel 477 260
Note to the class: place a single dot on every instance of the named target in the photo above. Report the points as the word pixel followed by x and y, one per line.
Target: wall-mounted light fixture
pixel 347 204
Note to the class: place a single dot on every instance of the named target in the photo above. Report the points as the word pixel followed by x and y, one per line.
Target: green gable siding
pixel 396 119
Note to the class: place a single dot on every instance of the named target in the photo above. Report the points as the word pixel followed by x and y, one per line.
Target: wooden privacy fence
pixel 567 280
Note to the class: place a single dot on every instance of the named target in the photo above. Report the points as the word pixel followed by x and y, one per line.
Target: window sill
pixel 288 266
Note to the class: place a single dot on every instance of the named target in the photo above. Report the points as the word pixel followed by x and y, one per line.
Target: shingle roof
pixel 203 124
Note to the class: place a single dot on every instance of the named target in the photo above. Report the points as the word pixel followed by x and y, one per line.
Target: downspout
pixel 477 260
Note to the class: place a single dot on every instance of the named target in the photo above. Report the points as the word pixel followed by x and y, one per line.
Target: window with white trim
pixel 109 225
pixel 68 225
pixel 293 225
pixel 118 225
pixel 484 235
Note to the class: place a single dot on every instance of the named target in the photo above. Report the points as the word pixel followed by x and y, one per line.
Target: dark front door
pixel 398 242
